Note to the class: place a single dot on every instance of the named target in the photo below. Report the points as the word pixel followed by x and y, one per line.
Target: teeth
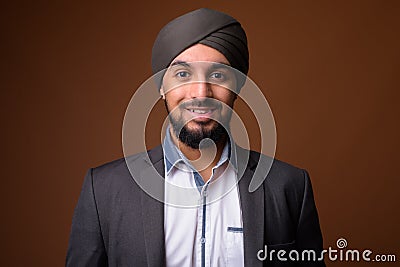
pixel 199 111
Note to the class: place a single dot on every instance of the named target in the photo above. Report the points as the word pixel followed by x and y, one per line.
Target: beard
pixel 193 137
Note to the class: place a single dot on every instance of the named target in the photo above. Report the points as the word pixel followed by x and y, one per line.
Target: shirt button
pixel 203 240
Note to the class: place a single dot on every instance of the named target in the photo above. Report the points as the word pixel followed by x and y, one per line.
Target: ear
pixel 162 92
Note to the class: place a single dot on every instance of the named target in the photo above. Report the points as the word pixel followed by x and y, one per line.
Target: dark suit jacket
pixel 117 224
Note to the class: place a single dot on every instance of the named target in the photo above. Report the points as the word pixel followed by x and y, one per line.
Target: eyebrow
pixel 180 63
pixel 188 65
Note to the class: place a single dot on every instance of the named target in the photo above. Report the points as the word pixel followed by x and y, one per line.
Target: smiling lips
pixel 200 113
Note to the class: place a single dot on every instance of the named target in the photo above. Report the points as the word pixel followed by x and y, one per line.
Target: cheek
pixel 227 97
pixel 172 100
pixel 227 106
pixel 175 96
pixel 226 112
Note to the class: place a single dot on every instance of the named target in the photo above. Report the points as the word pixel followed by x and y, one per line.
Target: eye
pixel 217 76
pixel 182 74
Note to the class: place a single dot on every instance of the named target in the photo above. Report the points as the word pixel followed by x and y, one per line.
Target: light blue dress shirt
pixel 202 221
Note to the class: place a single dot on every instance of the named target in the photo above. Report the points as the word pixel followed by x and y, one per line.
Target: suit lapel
pixel 252 205
pixel 153 209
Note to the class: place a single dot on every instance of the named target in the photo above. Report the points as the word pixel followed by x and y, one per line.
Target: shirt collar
pixel 172 154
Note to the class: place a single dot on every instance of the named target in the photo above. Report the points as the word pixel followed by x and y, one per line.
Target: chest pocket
pixel 234 247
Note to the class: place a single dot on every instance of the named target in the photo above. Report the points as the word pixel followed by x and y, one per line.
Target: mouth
pixel 201 113
pixel 198 110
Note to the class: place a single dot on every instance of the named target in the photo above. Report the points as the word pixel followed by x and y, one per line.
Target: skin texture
pixel 189 86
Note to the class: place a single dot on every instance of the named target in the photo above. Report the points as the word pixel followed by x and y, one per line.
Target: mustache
pixel 202 103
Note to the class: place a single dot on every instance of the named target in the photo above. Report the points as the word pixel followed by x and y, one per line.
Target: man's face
pixel 195 89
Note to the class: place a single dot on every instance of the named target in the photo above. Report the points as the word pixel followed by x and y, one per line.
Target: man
pixel 206 215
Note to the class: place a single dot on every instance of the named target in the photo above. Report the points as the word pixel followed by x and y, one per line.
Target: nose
pixel 200 89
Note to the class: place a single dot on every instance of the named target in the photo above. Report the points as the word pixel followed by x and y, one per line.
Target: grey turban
pixel 205 26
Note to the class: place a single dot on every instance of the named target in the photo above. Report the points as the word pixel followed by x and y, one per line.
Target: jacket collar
pixel 153 209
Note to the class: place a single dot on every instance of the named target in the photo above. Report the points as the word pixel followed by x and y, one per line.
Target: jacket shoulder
pixel 280 174
pixel 119 171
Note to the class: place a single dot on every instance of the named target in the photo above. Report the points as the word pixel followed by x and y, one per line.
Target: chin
pixel 199 126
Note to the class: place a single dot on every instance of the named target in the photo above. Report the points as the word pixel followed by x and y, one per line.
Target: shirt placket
pixel 203 225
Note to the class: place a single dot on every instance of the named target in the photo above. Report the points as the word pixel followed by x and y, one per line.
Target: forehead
pixel 200 52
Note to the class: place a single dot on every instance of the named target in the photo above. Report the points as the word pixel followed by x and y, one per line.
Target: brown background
pixel 330 70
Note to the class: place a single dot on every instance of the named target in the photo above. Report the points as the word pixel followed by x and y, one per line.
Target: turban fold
pixel 205 26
